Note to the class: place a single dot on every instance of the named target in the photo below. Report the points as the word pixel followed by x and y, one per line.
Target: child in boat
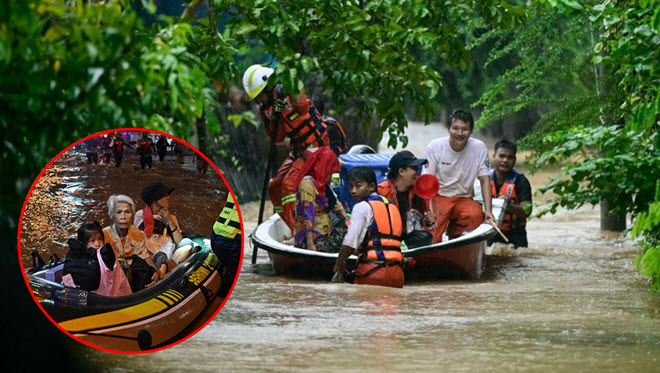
pixel 374 234
pixel 91 265
pixel 313 223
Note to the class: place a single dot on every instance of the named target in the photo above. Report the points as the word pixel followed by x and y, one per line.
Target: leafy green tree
pixel 593 74
pixel 73 68
pixel 366 52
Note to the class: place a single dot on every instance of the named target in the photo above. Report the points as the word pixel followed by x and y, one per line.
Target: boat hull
pixel 464 262
pixel 461 258
pixel 149 319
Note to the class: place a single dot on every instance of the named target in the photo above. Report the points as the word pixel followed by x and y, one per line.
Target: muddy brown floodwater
pixel 570 302
pixel 71 192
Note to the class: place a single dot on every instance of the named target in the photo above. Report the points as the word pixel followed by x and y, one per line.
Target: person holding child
pixel 374 234
pixel 398 189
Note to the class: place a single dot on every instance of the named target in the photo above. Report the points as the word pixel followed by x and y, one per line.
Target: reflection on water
pixel 572 301
pixel 72 192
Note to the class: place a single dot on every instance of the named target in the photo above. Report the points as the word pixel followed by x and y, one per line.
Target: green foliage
pixel 550 66
pixel 599 105
pixel 367 54
pixel 73 68
pixel 602 163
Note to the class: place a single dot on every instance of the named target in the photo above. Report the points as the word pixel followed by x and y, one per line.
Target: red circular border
pixel 134 129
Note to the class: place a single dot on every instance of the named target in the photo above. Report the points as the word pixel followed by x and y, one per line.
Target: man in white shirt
pixel 457 161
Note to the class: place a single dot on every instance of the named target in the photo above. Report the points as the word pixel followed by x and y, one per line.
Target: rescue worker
pixel 226 243
pixel 285 117
pixel 118 148
pixel 507 183
pixel 398 189
pixel 161 146
pixel 374 233
pixel 106 145
pixel 145 148
pixel 91 150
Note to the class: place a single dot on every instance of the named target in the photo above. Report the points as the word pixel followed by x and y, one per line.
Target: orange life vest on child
pixel 382 243
pixel 299 121
pixel 510 221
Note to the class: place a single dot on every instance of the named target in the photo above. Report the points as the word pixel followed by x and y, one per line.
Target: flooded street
pixel 72 192
pixel 572 301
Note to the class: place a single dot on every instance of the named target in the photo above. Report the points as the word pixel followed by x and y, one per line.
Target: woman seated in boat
pixel 129 243
pixel 161 228
pixel 92 265
pixel 315 202
pixel 398 189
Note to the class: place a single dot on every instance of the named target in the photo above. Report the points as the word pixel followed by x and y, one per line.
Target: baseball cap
pixel 401 160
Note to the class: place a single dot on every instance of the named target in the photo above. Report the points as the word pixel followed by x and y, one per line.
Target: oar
pixel 264 190
pixel 497 229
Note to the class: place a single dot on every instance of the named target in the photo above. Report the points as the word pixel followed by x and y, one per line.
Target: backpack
pixel 336 135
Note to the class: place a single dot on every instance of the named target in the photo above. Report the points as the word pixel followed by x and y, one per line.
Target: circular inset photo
pixel 129 241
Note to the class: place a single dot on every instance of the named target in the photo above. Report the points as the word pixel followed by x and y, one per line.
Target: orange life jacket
pixel 119 145
pixel 144 146
pixel 387 189
pixel 510 221
pixel 304 127
pixel 382 243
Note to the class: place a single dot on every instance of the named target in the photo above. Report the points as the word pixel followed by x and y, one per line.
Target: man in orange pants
pixel 457 161
pixel 286 117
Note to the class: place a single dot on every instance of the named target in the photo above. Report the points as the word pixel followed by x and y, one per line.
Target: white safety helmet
pixel 255 79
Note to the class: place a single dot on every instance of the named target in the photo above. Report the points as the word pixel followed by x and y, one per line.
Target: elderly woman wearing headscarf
pixel 313 224
pixel 129 244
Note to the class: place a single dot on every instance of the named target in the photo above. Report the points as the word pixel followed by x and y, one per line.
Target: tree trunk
pixel 609 221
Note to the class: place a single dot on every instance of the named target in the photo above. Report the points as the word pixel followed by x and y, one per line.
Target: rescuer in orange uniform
pixel 286 117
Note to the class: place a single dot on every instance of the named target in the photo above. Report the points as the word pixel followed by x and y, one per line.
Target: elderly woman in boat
pixel 129 243
pixel 315 201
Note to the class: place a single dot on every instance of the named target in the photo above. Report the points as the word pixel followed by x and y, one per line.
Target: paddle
pixel 497 229
pixel 427 187
pixel 264 190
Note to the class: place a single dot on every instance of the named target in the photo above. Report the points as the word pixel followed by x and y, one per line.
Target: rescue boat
pixel 157 316
pixel 459 258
